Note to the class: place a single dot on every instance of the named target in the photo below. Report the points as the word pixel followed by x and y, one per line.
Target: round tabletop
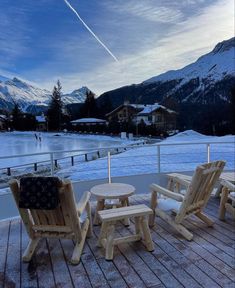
pixel 112 190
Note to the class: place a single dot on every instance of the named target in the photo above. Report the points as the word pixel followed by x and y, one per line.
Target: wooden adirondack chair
pixel 227 201
pixel 62 222
pixel 176 207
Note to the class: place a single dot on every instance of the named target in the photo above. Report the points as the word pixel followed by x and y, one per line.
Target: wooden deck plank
pixel 59 265
pixel 207 261
pixel 142 269
pixel 78 273
pixel 124 268
pixel 44 268
pixel 28 270
pixel 13 261
pixel 4 235
pixel 167 235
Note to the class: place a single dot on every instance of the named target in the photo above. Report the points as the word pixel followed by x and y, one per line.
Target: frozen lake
pixel 17 143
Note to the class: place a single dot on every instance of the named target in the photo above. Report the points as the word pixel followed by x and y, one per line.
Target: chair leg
pixel 205 219
pixel 28 253
pixel 77 252
pixel 223 201
pixel 90 230
pixel 179 227
pixel 153 205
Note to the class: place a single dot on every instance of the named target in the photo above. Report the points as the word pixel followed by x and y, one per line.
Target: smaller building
pixel 41 123
pixel 3 122
pixel 88 122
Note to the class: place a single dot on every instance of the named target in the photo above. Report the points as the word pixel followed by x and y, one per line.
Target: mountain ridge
pixel 30 98
pixel 207 80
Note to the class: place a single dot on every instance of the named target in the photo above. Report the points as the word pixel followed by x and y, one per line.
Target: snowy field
pixel 139 160
pixel 144 160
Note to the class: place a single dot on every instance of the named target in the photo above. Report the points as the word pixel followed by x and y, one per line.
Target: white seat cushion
pixel 167 204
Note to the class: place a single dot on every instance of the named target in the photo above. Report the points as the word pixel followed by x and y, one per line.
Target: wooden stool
pixel 109 218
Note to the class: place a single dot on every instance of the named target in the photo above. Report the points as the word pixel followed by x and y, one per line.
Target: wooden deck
pixel 207 261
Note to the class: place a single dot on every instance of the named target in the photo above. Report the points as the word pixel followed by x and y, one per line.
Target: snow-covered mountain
pixel 30 98
pixel 208 80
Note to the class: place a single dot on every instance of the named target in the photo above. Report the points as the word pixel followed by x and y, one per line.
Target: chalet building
pixel 125 112
pixel 155 114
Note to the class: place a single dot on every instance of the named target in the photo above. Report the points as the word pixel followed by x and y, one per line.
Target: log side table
pixel 110 191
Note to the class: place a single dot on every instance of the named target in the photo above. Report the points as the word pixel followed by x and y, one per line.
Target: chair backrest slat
pixel 65 215
pixel 200 188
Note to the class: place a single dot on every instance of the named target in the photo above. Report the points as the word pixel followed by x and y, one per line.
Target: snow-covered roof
pixel 135 106
pixel 148 109
pixel 88 120
pixel 41 119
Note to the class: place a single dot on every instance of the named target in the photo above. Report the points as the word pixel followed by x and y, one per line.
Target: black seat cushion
pixel 39 192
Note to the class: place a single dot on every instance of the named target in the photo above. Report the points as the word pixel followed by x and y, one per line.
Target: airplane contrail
pixel 92 33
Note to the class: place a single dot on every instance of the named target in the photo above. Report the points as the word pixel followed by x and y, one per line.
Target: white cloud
pixel 148 10
pixel 179 46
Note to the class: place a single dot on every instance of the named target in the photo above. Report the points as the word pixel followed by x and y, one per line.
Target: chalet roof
pixel 88 120
pixel 148 109
pixel 135 106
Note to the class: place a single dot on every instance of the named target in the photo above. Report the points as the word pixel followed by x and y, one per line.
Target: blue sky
pixel 42 41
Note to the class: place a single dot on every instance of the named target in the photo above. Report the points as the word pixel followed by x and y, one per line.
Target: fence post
pixel 109 167
pixel 52 164
pixel 208 152
pixel 158 159
pixel 8 171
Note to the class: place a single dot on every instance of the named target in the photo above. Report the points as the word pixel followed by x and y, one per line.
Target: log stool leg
pixel 103 234
pixel 137 226
pixel 109 243
pixel 146 234
pixel 99 206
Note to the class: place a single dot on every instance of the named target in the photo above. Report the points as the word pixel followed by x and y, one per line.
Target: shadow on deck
pixel 207 261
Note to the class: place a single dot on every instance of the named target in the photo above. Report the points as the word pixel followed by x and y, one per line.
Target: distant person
pixel 36 136
pixel 39 137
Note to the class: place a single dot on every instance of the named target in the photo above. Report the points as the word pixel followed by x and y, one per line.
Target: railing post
pixel 158 159
pixel 109 167
pixel 208 153
pixel 52 164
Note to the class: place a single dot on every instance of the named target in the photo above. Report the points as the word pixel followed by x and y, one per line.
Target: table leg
pixel 99 207
pixel 124 203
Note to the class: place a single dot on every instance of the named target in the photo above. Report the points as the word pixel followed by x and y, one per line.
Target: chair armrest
pixel 81 205
pixel 176 196
pixel 228 185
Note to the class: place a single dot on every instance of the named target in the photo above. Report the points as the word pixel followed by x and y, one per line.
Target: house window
pixel 150 118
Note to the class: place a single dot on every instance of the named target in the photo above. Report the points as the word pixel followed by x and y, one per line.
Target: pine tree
pixel 89 108
pixel 55 113
pixel 17 116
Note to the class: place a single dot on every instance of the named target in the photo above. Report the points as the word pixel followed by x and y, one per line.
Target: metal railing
pixel 108 150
